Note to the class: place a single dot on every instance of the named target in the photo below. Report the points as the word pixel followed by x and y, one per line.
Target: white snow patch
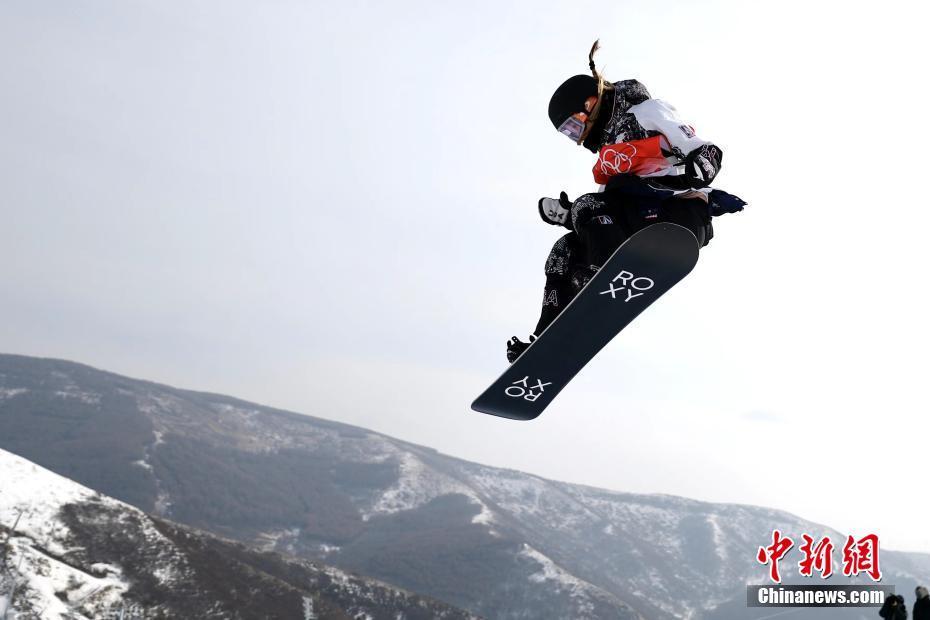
pixel 11 392
pixel 248 414
pixel 406 494
pixel 719 538
pixel 103 567
pixel 72 391
pixel 533 498
pixel 58 588
pixel 654 525
pixel 308 609
pixel 550 571
pixel 278 540
pixel 347 584
pixel 165 574
pixel 485 517
pixel 417 485
pixel 577 589
pixel 336 575
pixel 143 464
pixel 163 504
pixel 152 403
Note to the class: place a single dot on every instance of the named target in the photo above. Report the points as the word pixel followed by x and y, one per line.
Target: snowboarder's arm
pixel 659 116
pixel 702 158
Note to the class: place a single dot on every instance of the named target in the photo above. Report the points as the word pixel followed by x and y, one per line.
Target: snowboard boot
pixel 515 347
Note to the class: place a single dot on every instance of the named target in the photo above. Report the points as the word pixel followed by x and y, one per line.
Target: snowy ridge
pixel 32 497
pixel 37 542
pixel 54 532
pixel 559 579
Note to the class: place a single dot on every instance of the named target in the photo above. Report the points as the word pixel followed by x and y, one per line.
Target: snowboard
pixel 640 271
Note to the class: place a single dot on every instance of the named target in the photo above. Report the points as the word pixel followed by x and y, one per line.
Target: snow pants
pixel 600 223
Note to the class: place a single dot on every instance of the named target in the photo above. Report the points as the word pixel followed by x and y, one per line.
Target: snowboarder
pixel 652 167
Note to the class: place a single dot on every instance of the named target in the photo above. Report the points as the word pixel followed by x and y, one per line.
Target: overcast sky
pixel 331 208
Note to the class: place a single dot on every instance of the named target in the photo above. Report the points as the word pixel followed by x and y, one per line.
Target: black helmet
pixel 569 98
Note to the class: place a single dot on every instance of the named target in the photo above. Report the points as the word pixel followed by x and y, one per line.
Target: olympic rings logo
pixel 617 161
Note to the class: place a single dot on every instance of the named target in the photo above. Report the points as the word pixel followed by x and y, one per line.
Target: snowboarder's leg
pixel 560 267
pixel 596 223
pixel 693 214
pixel 562 284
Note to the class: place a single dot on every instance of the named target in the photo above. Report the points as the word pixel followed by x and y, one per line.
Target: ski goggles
pixel 574 126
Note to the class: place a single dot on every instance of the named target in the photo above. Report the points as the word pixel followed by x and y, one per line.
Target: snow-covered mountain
pixel 67 552
pixel 500 543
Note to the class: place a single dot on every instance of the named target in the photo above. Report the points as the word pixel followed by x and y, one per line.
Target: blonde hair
pixel 602 84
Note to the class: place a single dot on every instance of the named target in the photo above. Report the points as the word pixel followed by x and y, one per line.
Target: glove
pixel 702 165
pixel 515 347
pixel 721 202
pixel 556 212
